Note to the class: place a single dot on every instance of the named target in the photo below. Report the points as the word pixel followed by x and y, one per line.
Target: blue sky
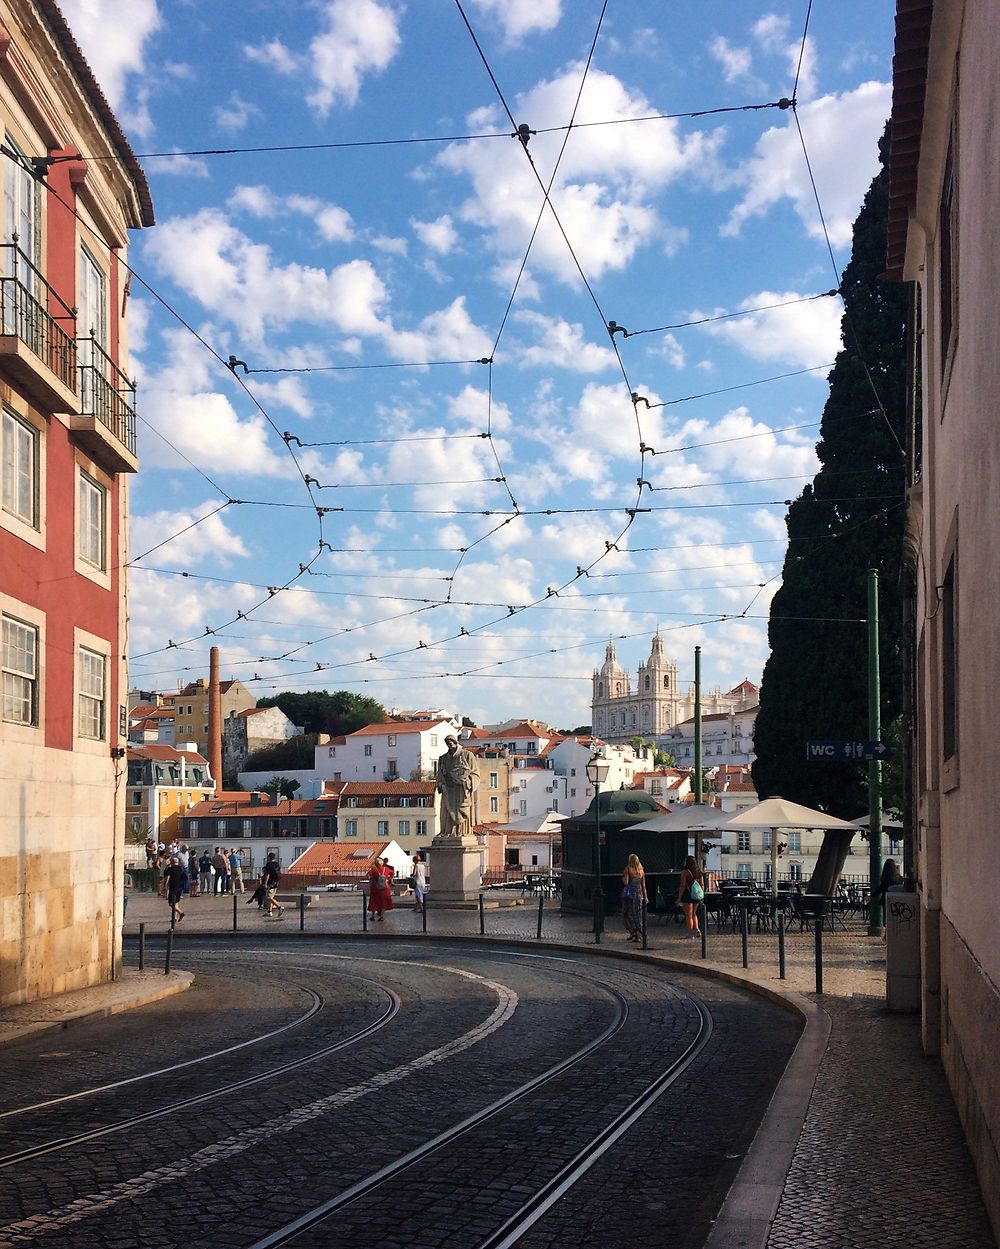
pixel 407 254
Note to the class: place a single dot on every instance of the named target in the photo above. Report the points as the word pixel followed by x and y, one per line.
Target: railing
pixel 102 387
pixel 27 319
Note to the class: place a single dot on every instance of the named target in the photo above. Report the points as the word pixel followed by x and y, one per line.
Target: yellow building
pixel 191 710
pixel 163 783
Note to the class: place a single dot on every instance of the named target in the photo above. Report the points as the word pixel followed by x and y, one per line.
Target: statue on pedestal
pixel 457 778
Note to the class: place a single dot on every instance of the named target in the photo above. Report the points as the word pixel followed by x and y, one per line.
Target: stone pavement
pixel 861 1146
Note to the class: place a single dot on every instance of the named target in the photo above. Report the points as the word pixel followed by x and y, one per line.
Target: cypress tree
pixel 849 519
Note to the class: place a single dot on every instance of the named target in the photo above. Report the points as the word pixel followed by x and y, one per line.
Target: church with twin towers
pixel 656 703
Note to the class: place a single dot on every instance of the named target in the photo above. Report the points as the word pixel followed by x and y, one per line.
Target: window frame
pixel 91 534
pixel 33 679
pixel 14 522
pixel 101 699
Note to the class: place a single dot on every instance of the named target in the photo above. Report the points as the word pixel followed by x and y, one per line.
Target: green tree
pixel 281 787
pixel 661 758
pixel 848 520
pixel 323 711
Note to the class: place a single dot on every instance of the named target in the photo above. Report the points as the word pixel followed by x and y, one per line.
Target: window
pixel 795 843
pixel 494 806
pixel 524 783
pixel 524 808
pixel 795 871
pixel 331 752
pixel 494 780
pixel 351 828
pixel 22 216
pixel 20 672
pixel 406 802
pixel 421 828
pixel 91 699
pixel 767 841
pixel 368 752
pixel 422 802
pixel 220 827
pixel 383 828
pixel 742 843
pixel 404 828
pixel 92 501
pixel 531 748
pixel 392 767
pixel 949 663
pixel 947 257
pixel 248 828
pixel 743 870
pixel 434 739
pixel 135 799
pixel 353 802
pixel 20 469
pixel 666 683
pixel 392 739
pixel 92 326
pixel 646 683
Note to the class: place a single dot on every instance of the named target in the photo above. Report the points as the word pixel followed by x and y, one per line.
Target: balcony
pixel 105 425
pixel 34 348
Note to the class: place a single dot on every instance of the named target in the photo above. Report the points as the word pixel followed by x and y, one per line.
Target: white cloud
pixel 841 133
pixel 237 114
pixel 361 37
pixel 231 275
pixel 439 235
pixel 736 62
pixel 558 342
pixel 604 190
pixel 520 17
pixel 114 48
pixel 180 166
pixel 448 334
pixel 333 222
pixel 200 535
pixel 274 54
pixel 671 350
pixel 802 334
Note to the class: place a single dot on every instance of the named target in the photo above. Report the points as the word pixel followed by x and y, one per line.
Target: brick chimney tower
pixel 215 720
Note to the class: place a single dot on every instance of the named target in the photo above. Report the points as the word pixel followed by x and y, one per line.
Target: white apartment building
pixel 726 737
pixel 397 750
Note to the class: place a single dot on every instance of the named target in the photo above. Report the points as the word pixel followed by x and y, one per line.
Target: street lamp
pixel 597 773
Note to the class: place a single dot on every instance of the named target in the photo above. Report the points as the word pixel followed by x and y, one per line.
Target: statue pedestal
pixel 454 872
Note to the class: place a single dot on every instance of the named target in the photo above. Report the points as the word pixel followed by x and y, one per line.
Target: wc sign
pixel 847 752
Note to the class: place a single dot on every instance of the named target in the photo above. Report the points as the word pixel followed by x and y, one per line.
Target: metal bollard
pixel 364 912
pixel 781 945
pixel 482 916
pixel 541 903
pixel 423 913
pixel 170 946
pixel 744 934
pixel 819 951
pixel 302 912
pixel 142 946
pixel 703 925
pixel 235 914
pixel 597 919
pixel 645 943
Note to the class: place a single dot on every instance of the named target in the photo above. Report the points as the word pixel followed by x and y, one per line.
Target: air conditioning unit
pixel 549 789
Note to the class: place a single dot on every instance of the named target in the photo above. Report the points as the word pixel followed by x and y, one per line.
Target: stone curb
pixel 143 995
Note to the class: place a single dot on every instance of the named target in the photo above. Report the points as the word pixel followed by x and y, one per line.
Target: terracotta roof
pixel 526 728
pixel 168 754
pixel 745 684
pixel 379 789
pixel 475 734
pixel 331 857
pixel 909 86
pixel 400 726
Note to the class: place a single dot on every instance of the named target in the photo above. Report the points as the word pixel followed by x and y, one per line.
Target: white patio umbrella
pixel 693 818
pixel 777 813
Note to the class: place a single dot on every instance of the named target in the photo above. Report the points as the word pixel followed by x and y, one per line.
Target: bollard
pixel 819 951
pixel 142 946
pixel 541 903
pixel 235 914
pixel 645 943
pixel 703 925
pixel 170 946
pixel 597 918
pixel 302 912
pixel 781 945
pixel 364 912
pixel 423 914
pixel 482 917
pixel 744 934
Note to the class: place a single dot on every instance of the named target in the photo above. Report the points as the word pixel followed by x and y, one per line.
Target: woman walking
pixel 633 896
pixel 379 890
pixel 690 895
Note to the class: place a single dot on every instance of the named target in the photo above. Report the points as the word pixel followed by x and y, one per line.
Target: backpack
pixel 380 881
pixel 697 892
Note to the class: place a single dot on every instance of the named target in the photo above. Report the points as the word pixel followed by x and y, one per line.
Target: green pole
pixel 875 928
pixel 698 795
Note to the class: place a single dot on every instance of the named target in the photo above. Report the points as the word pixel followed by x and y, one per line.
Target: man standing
pixel 221 865
pixel 457 777
pixel 235 870
pixel 419 882
pixel 269 878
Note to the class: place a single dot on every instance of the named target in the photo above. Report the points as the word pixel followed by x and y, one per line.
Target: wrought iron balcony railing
pixel 103 387
pixel 24 316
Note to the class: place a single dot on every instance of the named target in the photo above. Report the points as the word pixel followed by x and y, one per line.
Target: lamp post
pixel 597 773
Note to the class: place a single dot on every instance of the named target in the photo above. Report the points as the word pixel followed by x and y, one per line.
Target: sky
pixel 436 477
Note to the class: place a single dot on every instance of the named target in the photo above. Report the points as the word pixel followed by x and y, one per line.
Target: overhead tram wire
pixel 615 328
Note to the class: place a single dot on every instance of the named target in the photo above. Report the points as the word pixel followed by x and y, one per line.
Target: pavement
pixel 861 1146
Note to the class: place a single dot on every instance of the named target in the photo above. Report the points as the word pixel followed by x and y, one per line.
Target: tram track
pixel 223 1090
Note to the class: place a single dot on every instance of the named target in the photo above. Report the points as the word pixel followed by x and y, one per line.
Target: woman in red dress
pixel 379 889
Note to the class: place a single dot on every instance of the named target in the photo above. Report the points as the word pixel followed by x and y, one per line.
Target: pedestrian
pixel 890 878
pixel 205 872
pixel 183 859
pixel 192 871
pixel 633 896
pixel 690 895
pixel 150 852
pixel 235 870
pixel 269 878
pixel 419 882
pixel 174 877
pixel 379 890
pixel 221 865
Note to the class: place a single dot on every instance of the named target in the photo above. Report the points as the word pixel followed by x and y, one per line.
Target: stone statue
pixel 457 778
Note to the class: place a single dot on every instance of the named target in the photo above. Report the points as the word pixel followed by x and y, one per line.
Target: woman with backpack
pixel 379 890
pixel 690 895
